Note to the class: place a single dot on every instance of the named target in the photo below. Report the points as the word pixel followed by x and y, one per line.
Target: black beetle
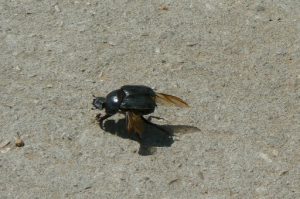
pixel 134 101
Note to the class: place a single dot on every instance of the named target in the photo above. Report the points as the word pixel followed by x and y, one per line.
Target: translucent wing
pixel 170 100
pixel 134 123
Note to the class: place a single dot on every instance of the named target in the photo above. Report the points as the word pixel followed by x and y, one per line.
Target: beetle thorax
pixel 113 101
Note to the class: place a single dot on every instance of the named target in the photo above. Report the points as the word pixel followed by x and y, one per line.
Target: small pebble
pixel 19 142
pixel 164 7
pixel 57 9
pixel 157 50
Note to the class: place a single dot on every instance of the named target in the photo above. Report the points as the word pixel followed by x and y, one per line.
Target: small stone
pixel 284 172
pixel 19 142
pixel 163 7
pixel 157 50
pixel 57 9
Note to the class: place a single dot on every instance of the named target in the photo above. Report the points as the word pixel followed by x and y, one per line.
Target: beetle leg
pixel 157 126
pixel 98 116
pixel 139 138
pixel 101 119
pixel 155 117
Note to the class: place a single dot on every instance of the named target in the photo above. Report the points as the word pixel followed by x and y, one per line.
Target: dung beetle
pixel 134 101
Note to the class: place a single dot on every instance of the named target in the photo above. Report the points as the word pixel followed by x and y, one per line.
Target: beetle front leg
pixel 139 138
pixel 101 119
pixel 155 117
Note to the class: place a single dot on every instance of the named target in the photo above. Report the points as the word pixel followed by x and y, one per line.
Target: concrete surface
pixel 237 63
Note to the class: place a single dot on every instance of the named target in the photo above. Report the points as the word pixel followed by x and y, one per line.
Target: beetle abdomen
pixel 141 103
pixel 138 90
pixel 139 99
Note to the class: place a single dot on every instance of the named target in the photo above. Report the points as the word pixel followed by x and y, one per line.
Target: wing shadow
pixel 152 136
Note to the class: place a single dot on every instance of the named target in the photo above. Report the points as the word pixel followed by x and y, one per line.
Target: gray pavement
pixel 237 63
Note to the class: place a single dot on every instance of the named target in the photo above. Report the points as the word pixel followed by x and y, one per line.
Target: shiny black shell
pixel 135 98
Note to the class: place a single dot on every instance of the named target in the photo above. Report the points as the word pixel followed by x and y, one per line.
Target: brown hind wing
pixel 134 123
pixel 170 100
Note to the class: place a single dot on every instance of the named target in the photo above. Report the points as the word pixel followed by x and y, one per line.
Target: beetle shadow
pixel 152 136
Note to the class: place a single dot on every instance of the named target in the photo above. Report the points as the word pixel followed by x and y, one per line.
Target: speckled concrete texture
pixel 237 63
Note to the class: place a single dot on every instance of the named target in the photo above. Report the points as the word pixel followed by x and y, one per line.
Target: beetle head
pixel 99 102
